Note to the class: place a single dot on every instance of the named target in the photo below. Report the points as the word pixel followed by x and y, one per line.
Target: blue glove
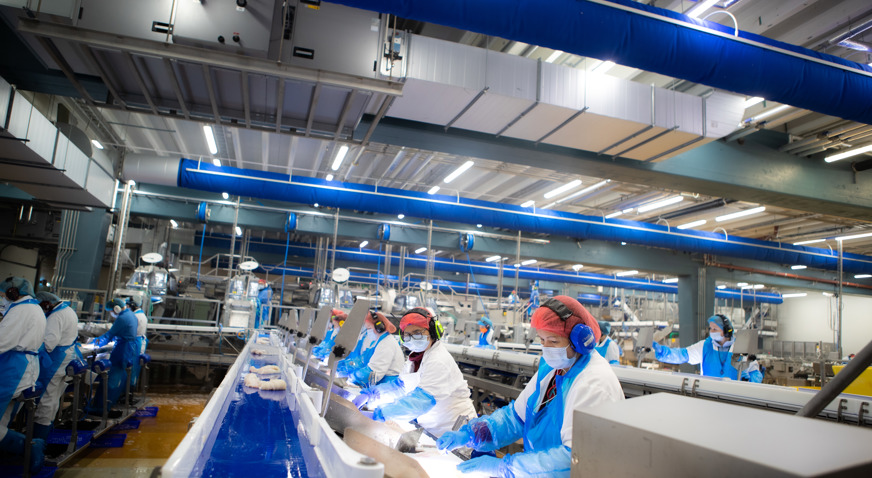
pixel 451 440
pixel 377 415
pixel 410 406
pixel 670 355
pixel 364 397
pixel 490 465
pixel 361 377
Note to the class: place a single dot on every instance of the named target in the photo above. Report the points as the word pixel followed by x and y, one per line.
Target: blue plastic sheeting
pixel 661 41
pixel 281 187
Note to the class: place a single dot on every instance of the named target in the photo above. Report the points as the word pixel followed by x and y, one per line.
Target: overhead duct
pixel 658 40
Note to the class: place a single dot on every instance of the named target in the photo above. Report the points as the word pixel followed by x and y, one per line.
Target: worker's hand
pixel 657 348
pixel 489 465
pixel 366 395
pixel 377 415
pixel 451 440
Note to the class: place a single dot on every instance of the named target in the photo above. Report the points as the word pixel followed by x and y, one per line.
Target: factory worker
pixel 135 304
pixel 606 346
pixel 354 360
pixel 431 389
pixel 264 296
pixel 337 319
pixel 60 347
pixel 712 354
pixel 571 376
pixel 383 362
pixel 22 332
pixel 487 339
pixel 753 373
pixel 125 353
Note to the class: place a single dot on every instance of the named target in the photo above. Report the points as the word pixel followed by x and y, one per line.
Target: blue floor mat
pixel 129 424
pixel 146 412
pixel 115 440
pixel 62 437
pixel 16 471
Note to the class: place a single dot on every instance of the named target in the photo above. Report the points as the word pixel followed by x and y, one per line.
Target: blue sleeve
pixel 346 367
pixel 613 362
pixel 361 376
pixel 388 391
pixel 503 426
pixel 670 355
pixel 551 462
pixel 409 406
pixel 753 377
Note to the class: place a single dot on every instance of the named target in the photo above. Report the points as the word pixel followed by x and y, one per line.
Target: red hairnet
pixel 546 319
pixel 414 318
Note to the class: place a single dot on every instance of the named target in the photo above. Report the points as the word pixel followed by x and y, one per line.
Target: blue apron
pixel 717 364
pixel 542 427
pixel 482 339
pixel 367 355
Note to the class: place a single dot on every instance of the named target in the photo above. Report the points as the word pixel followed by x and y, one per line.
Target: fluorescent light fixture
pixel 853 236
pixel 457 172
pixel 315 205
pixel 798 267
pixel 330 177
pixel 862 276
pixel 400 216
pixel 433 190
pixel 627 273
pixel 812 241
pixel 562 189
pixel 225 195
pixel 216 162
pixel 657 205
pixel 528 262
pixel 746 286
pixel 692 224
pixel 420 250
pixel 517 266
pixel 614 214
pixel 849 153
pixel 827 294
pixel 722 286
pixel 603 66
pixel 627 211
pixel 577 267
pixel 623 243
pixel 238 231
pixel 363 244
pixel 478 226
pixel 96 144
pixel 759 286
pixel 586 190
pixel 210 139
pixel 437 253
pixel 767 114
pixel 741 284
pixel 343 150
pixel 528 203
pixel 700 8
pixel 790 296
pixel 492 259
pixel 553 56
pixel 753 101
pixel 736 215
pixel 672 280
pixel 174 223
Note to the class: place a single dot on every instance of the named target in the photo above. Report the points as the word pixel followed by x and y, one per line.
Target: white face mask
pixel 716 336
pixel 556 357
pixel 4 305
pixel 419 345
pixel 371 333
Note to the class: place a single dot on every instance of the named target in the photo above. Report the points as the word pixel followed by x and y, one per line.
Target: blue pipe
pixel 351 196
pixel 658 40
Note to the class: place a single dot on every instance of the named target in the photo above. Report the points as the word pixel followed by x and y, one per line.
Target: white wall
pixel 807 319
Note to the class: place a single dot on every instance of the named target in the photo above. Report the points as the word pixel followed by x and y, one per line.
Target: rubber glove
pixel 365 396
pixel 490 465
pixel 377 415
pixel 670 355
pixel 451 440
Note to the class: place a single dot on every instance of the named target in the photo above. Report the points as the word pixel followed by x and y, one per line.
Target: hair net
pixel 717 320
pixel 605 327
pixel 391 328
pixel 117 301
pixel 414 318
pixel 485 321
pixel 23 285
pixel 546 319
pixel 46 296
pixel 136 300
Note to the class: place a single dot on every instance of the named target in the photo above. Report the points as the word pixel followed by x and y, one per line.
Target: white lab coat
pixel 22 329
pixel 612 351
pixel 141 326
pixel 440 376
pixel 596 384
pixel 387 359
pixel 61 329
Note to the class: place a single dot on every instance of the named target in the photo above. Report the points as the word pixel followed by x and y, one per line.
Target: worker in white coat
pixel 431 389
pixel 22 332
pixel 571 376
pixel 383 362
pixel 59 348
pixel 141 341
pixel 606 346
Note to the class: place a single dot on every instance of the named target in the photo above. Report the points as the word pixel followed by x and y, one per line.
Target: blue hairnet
pixel 46 296
pixel 605 327
pixel 485 321
pixel 136 300
pixel 23 285
pixel 717 320
pixel 117 301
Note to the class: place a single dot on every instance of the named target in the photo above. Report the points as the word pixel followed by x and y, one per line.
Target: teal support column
pixel 696 302
pixel 84 264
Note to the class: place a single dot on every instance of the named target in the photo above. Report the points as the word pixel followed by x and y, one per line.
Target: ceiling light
pixel 478 226
pixel 798 267
pixel 577 267
pixel 562 189
pixel 614 214
pixel 553 56
pixel 623 243
pixel 96 144
pixel 741 284
pixel 586 190
pixel 433 190
pixel 174 223
pixel 767 114
pixel 315 205
pixel 672 280
pixel 736 215
pixel 789 296
pixel 400 216
pixel 862 276
pixel 330 177
pixel 528 203
pixel 700 8
pixel 238 231
pixel 420 250
pixel 437 253
pixel 753 101
pixel 457 172
pixel 849 153
pixel 657 205
pixel 746 286
pixel 627 211
pixel 827 294
pixel 210 139
pixel 517 265
pixel 216 162
pixel 363 244
pixel 692 224
pixel 854 236
pixel 603 66
pixel 528 262
pixel 627 273
pixel 225 195
pixel 722 286
pixel 343 150
pixel 492 259
pixel 759 286
pixel 813 241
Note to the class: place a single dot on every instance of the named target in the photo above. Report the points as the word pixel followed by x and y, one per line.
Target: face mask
pixel 371 333
pixel 4 305
pixel 716 336
pixel 483 329
pixel 556 357
pixel 417 345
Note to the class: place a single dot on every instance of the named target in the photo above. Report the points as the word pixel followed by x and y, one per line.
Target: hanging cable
pixel 200 259
pixel 469 263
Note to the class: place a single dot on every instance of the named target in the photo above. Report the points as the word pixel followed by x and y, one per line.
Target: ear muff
pixel 377 323
pixel 728 326
pixel 434 326
pixel 117 309
pixel 13 294
pixel 581 337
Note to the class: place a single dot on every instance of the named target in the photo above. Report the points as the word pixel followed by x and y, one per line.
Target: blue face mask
pixel 556 357
pixel 417 345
